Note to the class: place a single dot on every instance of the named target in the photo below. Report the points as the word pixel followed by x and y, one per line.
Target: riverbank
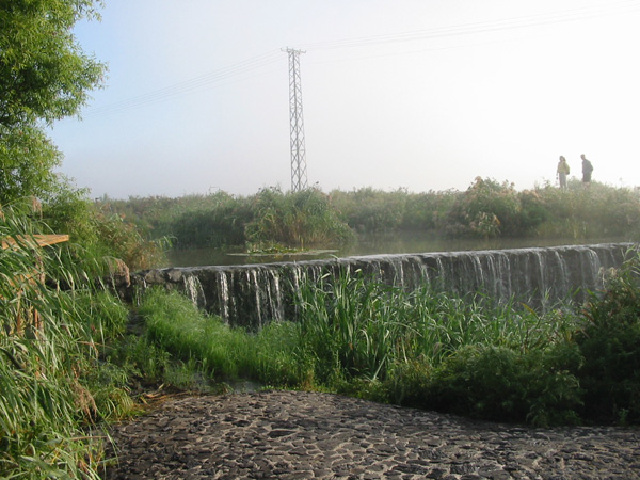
pixel 303 435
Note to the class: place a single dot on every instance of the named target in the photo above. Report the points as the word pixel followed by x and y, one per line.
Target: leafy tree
pixel 44 76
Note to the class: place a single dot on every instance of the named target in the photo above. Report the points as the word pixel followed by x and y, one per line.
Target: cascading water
pixel 252 295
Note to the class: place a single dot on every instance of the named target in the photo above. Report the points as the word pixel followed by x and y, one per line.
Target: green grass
pixel 367 327
pixel 53 384
pixel 430 350
pixel 487 209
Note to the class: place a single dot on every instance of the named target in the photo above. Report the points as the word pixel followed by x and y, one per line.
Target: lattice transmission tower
pixel 296 129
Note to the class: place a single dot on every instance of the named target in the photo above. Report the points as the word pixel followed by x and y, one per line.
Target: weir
pixel 252 295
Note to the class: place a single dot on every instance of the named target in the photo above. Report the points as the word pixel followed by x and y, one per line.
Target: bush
pixel 501 384
pixel 96 233
pixel 487 209
pixel 610 343
pixel 296 219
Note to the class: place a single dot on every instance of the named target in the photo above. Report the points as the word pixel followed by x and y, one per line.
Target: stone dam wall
pixel 252 295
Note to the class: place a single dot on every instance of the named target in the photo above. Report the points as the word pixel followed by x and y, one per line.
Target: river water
pixel 371 245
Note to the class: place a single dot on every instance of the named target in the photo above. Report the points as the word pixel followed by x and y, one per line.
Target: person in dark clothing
pixel 587 169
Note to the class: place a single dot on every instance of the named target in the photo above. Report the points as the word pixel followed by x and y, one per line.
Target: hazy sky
pixel 414 94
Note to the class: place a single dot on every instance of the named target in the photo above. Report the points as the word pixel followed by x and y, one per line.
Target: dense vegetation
pixel 431 350
pixel 58 322
pixel 487 209
pixel 53 383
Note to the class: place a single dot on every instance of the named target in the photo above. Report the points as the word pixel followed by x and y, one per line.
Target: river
pixel 371 245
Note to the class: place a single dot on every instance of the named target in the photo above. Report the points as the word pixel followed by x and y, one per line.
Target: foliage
pixel 222 353
pixel 432 350
pixel 215 228
pixel 44 76
pixel 579 213
pixel 487 209
pixel 370 211
pixel 177 325
pixel 27 158
pixel 52 346
pixel 296 219
pixel 610 343
pixel 427 211
pixel 96 233
pixel 364 327
pixel 502 384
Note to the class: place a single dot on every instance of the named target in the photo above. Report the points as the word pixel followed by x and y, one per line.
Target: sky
pixel 419 95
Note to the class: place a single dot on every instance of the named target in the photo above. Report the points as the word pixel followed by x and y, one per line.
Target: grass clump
pixel 223 354
pixel 175 323
pixel 55 384
pixel 610 342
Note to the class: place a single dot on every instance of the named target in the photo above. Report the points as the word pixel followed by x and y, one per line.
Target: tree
pixel 44 76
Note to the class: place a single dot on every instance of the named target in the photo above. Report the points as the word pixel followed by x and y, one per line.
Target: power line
pixel 252 65
pixel 199 83
pixel 530 21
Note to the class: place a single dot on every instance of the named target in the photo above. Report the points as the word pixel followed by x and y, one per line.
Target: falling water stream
pixel 251 295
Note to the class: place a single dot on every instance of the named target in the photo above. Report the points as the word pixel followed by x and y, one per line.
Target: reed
pixel 486 209
pixel 364 327
pixel 51 347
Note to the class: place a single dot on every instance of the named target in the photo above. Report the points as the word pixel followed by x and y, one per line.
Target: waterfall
pixel 252 295
pixel 193 288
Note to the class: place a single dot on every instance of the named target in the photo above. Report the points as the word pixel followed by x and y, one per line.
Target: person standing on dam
pixel 587 169
pixel 563 171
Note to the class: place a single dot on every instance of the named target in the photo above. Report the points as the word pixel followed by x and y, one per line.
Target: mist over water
pixel 371 245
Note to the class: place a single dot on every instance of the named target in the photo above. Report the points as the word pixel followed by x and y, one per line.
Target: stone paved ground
pixel 302 435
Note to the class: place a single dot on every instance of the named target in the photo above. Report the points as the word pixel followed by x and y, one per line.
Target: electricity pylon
pixel 298 161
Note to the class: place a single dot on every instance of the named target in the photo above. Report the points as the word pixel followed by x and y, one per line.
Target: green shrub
pixel 96 233
pixel 487 209
pixel 610 343
pixel 501 384
pixel 297 219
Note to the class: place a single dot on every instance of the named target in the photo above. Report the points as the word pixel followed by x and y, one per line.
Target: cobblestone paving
pixel 301 435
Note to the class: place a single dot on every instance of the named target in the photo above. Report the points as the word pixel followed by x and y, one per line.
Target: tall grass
pixel 179 327
pixel 51 345
pixel 223 353
pixel 366 327
pixel 486 209
pixel 420 348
